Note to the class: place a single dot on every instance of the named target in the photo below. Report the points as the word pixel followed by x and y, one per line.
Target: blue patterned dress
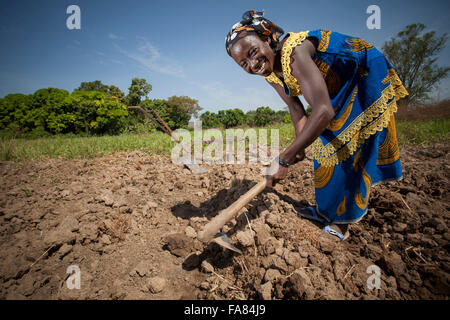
pixel 359 147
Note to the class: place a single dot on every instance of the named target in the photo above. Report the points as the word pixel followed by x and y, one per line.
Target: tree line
pixel 93 108
pixel 260 117
pixel 97 108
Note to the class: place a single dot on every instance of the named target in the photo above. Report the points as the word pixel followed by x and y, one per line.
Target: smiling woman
pixel 255 53
pixel 253 56
pixel 353 91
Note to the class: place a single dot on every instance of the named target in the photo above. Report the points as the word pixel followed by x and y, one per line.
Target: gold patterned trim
pixel 388 151
pixel 335 125
pixel 362 201
pixel 291 82
pixel 322 176
pixel 324 41
pixel 274 79
pixel 399 89
pixel 358 45
pixel 348 141
pixel 378 107
pixel 323 67
pixel 341 207
pixel 357 160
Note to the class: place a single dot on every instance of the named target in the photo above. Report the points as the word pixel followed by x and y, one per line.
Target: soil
pixel 129 222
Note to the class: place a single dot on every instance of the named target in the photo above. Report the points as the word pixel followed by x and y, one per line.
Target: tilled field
pixel 129 223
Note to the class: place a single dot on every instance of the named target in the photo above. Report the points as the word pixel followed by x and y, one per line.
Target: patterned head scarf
pixel 253 22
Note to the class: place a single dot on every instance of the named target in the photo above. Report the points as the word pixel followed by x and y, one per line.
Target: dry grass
pixel 117 227
pixel 429 111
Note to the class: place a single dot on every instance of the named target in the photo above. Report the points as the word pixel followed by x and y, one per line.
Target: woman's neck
pixel 277 68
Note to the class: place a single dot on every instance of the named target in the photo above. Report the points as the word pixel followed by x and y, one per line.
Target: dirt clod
pixel 266 291
pixel 179 244
pixel 156 284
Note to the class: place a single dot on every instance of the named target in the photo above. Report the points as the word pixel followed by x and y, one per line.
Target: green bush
pixel 231 117
pixel 264 116
pixel 13 108
pixel 210 120
pixel 95 112
pixel 56 111
pixel 92 108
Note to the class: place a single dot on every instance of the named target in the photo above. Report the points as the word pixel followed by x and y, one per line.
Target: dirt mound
pixel 129 223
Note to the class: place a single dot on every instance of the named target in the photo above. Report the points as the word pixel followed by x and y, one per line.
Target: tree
pixel 139 89
pixel 210 120
pixel 264 116
pixel 114 91
pixel 231 118
pixel 178 116
pixel 174 115
pixel 250 118
pixel 13 109
pixel 281 116
pixel 96 85
pixel 47 109
pixel 186 103
pixel 413 55
pixel 52 109
pixel 96 112
pixel 161 106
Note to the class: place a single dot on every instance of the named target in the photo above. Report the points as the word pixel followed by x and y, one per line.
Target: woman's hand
pixel 275 173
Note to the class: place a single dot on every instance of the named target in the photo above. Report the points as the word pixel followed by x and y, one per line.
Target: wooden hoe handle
pixel 213 227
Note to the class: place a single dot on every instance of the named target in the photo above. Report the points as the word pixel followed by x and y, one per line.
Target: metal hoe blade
pixel 222 239
pixel 194 168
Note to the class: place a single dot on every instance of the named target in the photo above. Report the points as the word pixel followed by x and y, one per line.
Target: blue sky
pixel 178 46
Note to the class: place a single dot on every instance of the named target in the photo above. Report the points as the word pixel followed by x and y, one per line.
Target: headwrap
pixel 253 22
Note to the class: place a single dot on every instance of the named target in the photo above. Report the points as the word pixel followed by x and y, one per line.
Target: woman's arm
pixel 315 93
pixel 296 109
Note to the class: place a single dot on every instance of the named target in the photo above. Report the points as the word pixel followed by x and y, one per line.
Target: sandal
pixel 312 216
pixel 341 236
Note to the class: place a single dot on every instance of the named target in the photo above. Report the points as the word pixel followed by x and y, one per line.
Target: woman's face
pixel 254 55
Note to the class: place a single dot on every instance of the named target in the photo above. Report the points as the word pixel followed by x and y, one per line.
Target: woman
pixel 352 90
